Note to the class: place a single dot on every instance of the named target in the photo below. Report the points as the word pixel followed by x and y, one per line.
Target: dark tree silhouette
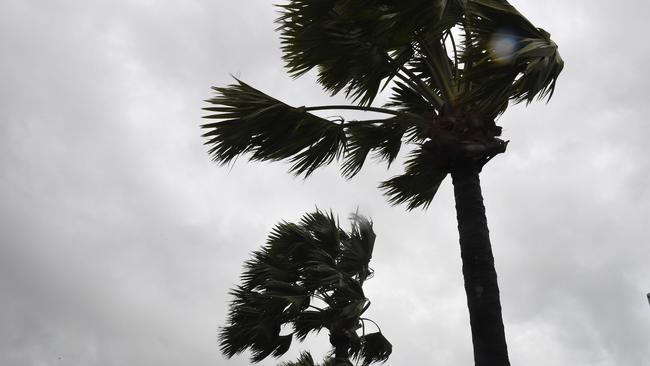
pixel 308 276
pixel 452 66
pixel 307 360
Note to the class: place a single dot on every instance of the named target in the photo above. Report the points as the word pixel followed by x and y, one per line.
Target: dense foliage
pixel 307 278
pixel 452 67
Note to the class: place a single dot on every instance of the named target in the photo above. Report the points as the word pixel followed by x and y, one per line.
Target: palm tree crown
pixel 308 276
pixel 453 66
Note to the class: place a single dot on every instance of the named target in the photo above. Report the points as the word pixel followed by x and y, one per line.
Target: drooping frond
pixel 249 121
pixel 374 348
pixel 254 323
pixel 506 57
pixel 424 172
pixel 384 138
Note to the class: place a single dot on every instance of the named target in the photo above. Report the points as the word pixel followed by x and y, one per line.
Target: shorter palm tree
pixel 308 277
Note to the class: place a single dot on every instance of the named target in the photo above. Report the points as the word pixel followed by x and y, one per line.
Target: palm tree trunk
pixel 480 277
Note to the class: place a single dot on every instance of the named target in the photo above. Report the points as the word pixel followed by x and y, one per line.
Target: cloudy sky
pixel 119 239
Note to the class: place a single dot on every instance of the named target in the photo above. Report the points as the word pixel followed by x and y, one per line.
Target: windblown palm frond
pixel 358 45
pixel 506 57
pixel 385 138
pixel 357 250
pixel 333 36
pixel 425 170
pixel 374 347
pixel 407 99
pixel 249 122
pixel 253 122
pixel 309 276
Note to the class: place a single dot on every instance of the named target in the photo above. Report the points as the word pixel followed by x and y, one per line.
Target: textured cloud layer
pixel 119 240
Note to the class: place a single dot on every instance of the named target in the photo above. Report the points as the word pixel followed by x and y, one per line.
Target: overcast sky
pixel 119 239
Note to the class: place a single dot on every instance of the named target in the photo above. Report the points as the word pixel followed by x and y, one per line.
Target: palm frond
pixel 506 58
pixel 357 45
pixel 251 122
pixel 344 40
pixel 407 99
pixel 416 17
pixel 254 323
pixel 264 267
pixel 351 312
pixel 320 275
pixel 325 232
pixel 311 321
pixel 294 297
pixel 433 62
pixel 357 251
pixel 382 136
pixel 424 172
pixel 285 239
pixel 374 348
pixel 345 291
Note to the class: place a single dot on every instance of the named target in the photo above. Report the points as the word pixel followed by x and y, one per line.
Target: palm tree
pixel 453 67
pixel 308 276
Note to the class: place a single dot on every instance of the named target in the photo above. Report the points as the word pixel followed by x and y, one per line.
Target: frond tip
pixel 251 122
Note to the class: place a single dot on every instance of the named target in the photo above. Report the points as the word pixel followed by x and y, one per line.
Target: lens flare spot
pixel 502 47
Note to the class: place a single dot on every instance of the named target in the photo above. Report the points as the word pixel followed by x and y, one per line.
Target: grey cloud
pixel 119 239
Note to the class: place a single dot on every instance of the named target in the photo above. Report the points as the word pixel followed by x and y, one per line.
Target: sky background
pixel 119 239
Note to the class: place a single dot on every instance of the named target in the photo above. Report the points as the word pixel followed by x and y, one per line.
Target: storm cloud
pixel 119 239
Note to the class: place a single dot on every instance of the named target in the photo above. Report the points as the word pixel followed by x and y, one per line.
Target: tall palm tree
pixel 308 276
pixel 453 67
